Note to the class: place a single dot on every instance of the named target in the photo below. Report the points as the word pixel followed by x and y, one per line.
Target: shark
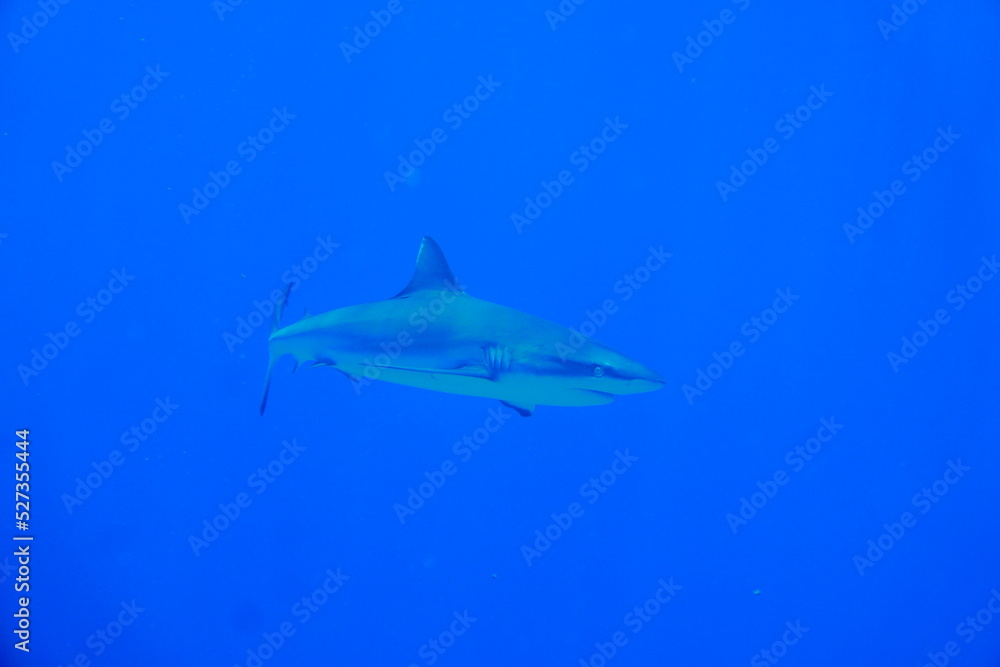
pixel 434 335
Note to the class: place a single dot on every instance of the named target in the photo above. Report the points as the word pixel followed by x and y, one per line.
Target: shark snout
pixel 647 380
pixel 639 379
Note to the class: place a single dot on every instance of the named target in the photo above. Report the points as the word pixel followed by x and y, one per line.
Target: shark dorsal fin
pixel 432 271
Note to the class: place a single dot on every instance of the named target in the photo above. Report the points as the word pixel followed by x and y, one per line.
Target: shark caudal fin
pixel 275 323
pixel 279 308
pixel 267 385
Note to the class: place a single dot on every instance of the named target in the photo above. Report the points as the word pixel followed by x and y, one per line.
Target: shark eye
pixel 598 371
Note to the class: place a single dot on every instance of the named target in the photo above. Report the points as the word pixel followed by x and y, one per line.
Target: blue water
pixel 815 485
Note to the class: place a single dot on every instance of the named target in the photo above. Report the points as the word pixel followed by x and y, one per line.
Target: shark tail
pixel 267 384
pixel 279 308
pixel 275 323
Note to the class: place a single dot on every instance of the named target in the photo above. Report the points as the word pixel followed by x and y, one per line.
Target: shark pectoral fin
pixel 523 410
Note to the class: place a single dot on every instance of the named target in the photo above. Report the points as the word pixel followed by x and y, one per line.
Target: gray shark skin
pixel 433 335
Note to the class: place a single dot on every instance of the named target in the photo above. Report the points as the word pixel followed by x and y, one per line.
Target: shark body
pixel 433 335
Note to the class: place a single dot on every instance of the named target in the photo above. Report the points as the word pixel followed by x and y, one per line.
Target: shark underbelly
pixel 516 388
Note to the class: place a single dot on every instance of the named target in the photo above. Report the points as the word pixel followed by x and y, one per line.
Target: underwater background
pixel 792 210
